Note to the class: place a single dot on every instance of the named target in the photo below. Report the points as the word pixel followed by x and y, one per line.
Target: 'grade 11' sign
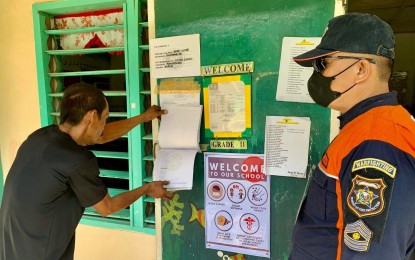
pixel 228 144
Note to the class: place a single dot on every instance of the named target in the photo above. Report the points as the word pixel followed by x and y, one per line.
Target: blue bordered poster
pixel 237 203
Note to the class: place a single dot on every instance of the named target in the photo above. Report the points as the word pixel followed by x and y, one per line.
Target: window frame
pixel 135 95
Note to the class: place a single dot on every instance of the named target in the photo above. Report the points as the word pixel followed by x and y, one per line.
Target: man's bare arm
pixel 109 205
pixel 115 130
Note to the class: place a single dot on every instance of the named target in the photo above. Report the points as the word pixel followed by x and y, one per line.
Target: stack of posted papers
pixel 287 146
pixel 179 142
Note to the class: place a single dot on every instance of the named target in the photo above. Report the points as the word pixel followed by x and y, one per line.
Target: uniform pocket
pixel 315 202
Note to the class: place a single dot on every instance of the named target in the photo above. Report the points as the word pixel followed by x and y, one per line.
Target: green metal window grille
pixel 125 163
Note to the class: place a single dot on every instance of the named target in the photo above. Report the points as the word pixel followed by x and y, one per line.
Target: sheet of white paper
pixel 293 78
pixel 176 166
pixel 227 107
pixel 287 145
pixel 177 56
pixel 179 142
pixel 180 127
pixel 182 98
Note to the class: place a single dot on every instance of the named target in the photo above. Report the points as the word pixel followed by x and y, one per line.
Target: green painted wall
pixel 235 31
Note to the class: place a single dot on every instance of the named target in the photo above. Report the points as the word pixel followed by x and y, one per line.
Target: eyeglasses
pixel 320 64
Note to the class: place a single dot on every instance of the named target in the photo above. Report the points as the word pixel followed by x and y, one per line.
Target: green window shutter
pixel 140 74
pixel 125 163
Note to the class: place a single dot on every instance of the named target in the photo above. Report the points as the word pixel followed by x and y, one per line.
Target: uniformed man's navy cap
pixel 356 33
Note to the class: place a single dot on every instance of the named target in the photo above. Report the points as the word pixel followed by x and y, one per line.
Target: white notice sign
pixel 237 203
pixel 177 56
pixel 287 145
pixel 293 78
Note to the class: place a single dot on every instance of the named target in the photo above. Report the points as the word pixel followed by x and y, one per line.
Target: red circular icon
pixel 253 169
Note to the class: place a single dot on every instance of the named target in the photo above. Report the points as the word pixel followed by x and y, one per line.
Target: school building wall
pixel 19 116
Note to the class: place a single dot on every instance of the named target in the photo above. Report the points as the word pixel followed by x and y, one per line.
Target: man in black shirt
pixel 54 178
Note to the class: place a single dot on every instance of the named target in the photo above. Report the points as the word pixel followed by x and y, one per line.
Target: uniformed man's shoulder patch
pixel 377 164
pixel 357 236
pixel 366 196
pixel 369 192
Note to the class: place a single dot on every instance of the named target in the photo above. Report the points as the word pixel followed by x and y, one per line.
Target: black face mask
pixel 319 88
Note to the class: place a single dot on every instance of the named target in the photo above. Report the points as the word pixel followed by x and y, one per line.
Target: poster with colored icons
pixel 237 203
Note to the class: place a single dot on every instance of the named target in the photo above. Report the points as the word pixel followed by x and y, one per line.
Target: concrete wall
pixel 19 116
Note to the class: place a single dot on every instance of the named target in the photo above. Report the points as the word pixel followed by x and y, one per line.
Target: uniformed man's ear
pixel 364 70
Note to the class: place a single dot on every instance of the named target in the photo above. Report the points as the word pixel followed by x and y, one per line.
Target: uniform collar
pixel 387 99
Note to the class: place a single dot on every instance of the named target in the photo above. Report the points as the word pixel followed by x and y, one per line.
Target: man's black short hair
pixel 78 99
